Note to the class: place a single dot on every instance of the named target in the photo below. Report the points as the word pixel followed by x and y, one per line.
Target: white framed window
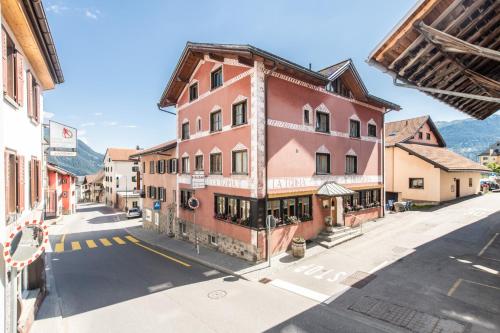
pixel 213 240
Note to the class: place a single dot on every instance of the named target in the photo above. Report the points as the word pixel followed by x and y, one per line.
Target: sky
pixel 117 56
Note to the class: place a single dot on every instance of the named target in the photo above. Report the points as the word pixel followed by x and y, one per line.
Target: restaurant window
pixel 372 130
pixel 185 131
pixel 362 199
pixel 216 78
pixel 470 182
pixel 322 163
pixel 354 128
pixel 185 196
pixel 351 164
pixel 322 122
pixel 198 162
pixel 216 121
pixel 193 92
pixel 185 165
pixel 417 183
pixel 216 163
pixel 240 113
pixel 240 162
pixel 307 117
pixel 232 209
pixel 290 210
pixel 151 167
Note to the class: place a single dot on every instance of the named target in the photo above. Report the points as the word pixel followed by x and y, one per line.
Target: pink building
pixel 61 191
pixel 259 135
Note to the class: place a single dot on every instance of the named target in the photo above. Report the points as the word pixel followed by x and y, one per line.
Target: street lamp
pixel 126 190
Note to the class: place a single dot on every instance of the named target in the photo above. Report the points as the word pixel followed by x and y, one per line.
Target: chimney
pixel 310 66
pixel 137 147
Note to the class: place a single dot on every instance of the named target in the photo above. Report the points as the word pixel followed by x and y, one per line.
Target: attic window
pixel 338 87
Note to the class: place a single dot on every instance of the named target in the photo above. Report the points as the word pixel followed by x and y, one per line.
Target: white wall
pixel 123 168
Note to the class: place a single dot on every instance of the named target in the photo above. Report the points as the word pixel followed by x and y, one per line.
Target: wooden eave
pixel 412 55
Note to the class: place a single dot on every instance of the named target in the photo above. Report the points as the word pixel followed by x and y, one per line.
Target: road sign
pixel 198 179
pixel 62 139
pixel 25 244
pixel 193 203
pixel 157 205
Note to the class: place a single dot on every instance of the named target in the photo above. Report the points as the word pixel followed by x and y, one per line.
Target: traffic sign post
pixel 194 203
pixel 157 205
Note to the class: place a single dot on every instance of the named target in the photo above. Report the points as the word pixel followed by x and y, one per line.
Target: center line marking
pixel 163 255
pixel 487 245
pixel 454 287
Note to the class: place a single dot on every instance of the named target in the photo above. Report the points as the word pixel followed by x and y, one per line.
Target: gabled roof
pixel 246 55
pixel 156 149
pixel 120 154
pixel 404 130
pixel 332 189
pixel 442 158
pixel 58 169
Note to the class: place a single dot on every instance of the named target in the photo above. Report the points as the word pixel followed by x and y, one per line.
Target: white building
pixel 120 174
pixel 30 66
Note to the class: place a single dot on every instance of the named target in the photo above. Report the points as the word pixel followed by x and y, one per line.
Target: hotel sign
pixel 198 180
pixel 62 139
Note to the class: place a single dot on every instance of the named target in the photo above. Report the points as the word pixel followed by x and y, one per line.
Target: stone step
pixel 330 244
pixel 330 237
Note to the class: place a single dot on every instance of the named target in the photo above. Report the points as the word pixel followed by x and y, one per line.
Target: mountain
pixel 86 161
pixel 469 137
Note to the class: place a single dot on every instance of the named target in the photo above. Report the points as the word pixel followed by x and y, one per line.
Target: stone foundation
pixel 163 226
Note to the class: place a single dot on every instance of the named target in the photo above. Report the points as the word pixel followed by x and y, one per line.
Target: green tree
pixel 495 167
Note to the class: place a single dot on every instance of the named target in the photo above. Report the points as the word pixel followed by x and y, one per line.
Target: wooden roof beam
pixel 451 44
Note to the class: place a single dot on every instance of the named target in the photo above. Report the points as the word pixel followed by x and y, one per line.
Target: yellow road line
pixel 105 242
pixel 132 239
pixel 119 240
pixel 185 264
pixel 91 244
pixel 454 287
pixel 59 247
pixel 76 246
pixel 487 245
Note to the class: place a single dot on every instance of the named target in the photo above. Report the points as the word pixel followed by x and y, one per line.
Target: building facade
pixel 60 197
pixel 259 136
pixel 490 155
pixel 418 167
pixel 158 184
pixel 93 188
pixel 120 175
pixel 27 71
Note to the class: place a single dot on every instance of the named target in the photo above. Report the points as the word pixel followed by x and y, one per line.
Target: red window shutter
pixel 19 79
pixel 29 91
pixel 32 183
pixel 20 183
pixel 4 60
pixel 7 182
pixel 37 103
pixel 39 179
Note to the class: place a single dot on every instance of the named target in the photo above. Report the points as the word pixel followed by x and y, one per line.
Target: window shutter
pixel 39 179
pixel 4 60
pixel 20 183
pixel 32 183
pixel 7 180
pixel 36 103
pixel 19 79
pixel 29 90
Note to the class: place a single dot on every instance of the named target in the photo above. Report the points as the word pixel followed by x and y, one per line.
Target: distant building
pixel 79 188
pixel 159 186
pixel 60 192
pixel 93 190
pixel 419 167
pixel 490 155
pixel 120 175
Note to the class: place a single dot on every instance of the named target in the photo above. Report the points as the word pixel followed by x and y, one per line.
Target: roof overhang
pixel 155 150
pixel 332 189
pixel 447 49
pixel 28 21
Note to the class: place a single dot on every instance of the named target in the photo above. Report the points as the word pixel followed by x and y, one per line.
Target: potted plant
pixel 298 247
pixel 292 220
pixel 329 224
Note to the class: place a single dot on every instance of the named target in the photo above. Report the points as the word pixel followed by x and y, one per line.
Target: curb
pixel 191 258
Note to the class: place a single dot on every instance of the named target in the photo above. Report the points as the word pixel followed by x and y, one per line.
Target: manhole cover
pixel 217 294
pixel 358 279
pixel 265 280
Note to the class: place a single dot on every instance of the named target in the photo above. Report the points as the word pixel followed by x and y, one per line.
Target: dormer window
pixel 338 87
pixel 193 92
pixel 216 78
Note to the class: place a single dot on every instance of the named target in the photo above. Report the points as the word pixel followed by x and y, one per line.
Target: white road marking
pixel 337 277
pixel 486 269
pixel 487 245
pixel 311 294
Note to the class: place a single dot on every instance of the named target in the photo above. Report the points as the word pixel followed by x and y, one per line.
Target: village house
pixel 60 191
pixel 490 155
pixel 93 190
pixel 30 66
pixel 158 183
pixel 120 178
pixel 259 135
pixel 419 167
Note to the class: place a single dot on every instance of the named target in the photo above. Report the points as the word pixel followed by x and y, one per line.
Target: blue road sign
pixel 157 205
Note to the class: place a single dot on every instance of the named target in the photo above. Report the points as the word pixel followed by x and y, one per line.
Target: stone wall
pixel 162 224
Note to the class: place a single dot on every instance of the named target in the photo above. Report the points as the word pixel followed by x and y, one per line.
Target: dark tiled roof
pixel 402 130
pixel 328 71
pixel 158 148
pixel 120 154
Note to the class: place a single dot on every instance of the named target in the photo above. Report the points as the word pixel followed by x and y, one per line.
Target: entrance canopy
pixel 447 49
pixel 332 189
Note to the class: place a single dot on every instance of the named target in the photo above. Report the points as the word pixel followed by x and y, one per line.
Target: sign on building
pixel 62 139
pixel 198 179
pixel 157 205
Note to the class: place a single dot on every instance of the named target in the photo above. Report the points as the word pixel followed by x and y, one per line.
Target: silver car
pixel 134 212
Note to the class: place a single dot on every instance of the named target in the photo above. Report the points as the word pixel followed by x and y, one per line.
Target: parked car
pixel 134 212
pixel 491 184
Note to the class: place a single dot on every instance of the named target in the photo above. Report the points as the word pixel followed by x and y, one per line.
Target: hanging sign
pixel 62 139
pixel 25 244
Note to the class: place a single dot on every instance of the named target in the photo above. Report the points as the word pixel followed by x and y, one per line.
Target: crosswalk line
pixel 119 240
pixel 91 244
pixel 105 242
pixel 75 246
pixel 132 239
pixel 59 247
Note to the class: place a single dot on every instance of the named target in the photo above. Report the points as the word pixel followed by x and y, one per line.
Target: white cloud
pixel 82 132
pixel 98 114
pixel 87 124
pixel 56 9
pixel 92 13
pixel 48 115
pixel 110 123
pixel 130 126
